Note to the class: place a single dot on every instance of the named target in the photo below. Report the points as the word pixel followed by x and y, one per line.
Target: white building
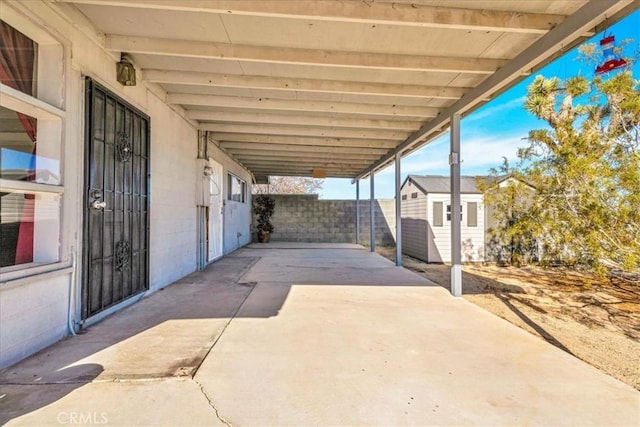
pixel 426 218
pixel 104 197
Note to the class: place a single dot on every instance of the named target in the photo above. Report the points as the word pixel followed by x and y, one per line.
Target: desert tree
pixel 289 185
pixel 583 172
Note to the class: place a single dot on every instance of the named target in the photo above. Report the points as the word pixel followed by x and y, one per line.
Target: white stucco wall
pixel 32 316
pixel 236 216
pixel 34 306
pixel 173 206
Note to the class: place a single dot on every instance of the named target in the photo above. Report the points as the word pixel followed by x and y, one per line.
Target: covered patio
pixel 338 89
pixel 286 334
pixel 309 334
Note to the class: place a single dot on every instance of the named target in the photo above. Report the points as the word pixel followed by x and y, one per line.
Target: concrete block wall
pixel 305 218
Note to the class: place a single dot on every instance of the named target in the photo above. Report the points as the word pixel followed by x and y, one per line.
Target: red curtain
pixel 16 68
pixel 17 58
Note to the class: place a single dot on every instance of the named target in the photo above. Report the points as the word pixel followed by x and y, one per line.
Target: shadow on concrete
pixel 17 399
pixel 151 339
pixel 479 285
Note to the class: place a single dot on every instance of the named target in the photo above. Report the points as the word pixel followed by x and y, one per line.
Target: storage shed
pixel 426 218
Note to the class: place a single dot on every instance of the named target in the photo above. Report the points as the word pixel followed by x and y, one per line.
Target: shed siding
pixel 414 222
pixel 439 238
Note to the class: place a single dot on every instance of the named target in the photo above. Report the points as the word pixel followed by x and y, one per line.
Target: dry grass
pixel 594 319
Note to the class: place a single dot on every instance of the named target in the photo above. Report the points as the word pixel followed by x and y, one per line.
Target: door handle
pixel 98 205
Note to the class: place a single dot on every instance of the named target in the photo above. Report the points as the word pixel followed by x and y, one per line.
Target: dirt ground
pixel 590 318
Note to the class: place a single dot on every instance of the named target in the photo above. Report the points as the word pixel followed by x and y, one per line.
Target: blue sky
pixel 492 132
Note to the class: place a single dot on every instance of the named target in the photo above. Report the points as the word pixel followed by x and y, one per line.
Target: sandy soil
pixel 593 319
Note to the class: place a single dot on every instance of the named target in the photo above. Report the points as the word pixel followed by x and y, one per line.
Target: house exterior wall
pixel 415 228
pixel 305 218
pixel 36 301
pixel 236 215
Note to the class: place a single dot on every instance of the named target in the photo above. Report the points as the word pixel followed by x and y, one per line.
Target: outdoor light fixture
pixel 126 73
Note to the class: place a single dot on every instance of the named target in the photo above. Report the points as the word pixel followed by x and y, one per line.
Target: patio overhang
pixel 289 87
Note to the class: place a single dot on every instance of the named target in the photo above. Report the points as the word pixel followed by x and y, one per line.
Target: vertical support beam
pixel 398 214
pixel 456 225
pixel 357 211
pixel 372 213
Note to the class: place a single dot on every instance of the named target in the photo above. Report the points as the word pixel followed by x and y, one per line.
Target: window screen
pixel 437 214
pixel 472 214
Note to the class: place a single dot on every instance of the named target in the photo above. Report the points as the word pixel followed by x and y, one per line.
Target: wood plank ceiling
pixel 289 87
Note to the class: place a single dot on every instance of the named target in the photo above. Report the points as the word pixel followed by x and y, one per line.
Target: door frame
pixel 217 166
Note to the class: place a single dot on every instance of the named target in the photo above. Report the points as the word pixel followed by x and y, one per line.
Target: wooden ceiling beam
pixel 217 101
pixel 300 120
pixel 193 78
pixel 397 14
pixel 303 141
pixel 302 149
pixel 314 57
pixel 298 155
pixel 305 131
pixel 300 160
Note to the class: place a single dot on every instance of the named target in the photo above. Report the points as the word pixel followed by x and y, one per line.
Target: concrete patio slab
pixel 164 335
pixel 376 355
pixel 316 336
pixel 169 402
pixel 335 263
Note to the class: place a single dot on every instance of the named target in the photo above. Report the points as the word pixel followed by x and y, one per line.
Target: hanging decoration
pixel 610 59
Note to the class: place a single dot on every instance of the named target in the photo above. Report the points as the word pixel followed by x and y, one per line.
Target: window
pixel 449 212
pixel 472 214
pixel 414 195
pixel 30 146
pixel 237 189
pixel 404 197
pixel 437 214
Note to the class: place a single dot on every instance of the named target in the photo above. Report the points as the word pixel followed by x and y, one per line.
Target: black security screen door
pixel 116 232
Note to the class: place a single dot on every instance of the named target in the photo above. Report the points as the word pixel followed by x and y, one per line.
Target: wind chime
pixel 610 59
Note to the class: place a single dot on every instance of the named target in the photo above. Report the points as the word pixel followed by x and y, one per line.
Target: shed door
pixel 116 231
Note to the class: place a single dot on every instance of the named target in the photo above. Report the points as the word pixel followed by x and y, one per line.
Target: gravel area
pixel 595 320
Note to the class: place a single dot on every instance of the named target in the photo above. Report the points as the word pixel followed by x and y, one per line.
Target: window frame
pixel 47 107
pixel 449 213
pixel 438 220
pixel 472 214
pixel 243 188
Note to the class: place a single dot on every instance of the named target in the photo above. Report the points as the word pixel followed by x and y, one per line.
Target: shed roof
pixel 442 184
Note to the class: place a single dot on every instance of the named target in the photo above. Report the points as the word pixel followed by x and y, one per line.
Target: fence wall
pixel 305 218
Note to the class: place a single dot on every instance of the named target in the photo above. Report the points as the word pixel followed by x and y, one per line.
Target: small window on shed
pixel 449 212
pixel 472 214
pixel 414 195
pixel 437 214
pixel 404 197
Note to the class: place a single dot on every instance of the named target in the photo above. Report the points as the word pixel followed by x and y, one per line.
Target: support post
pixel 372 214
pixel 398 214
pixel 456 224
pixel 357 211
